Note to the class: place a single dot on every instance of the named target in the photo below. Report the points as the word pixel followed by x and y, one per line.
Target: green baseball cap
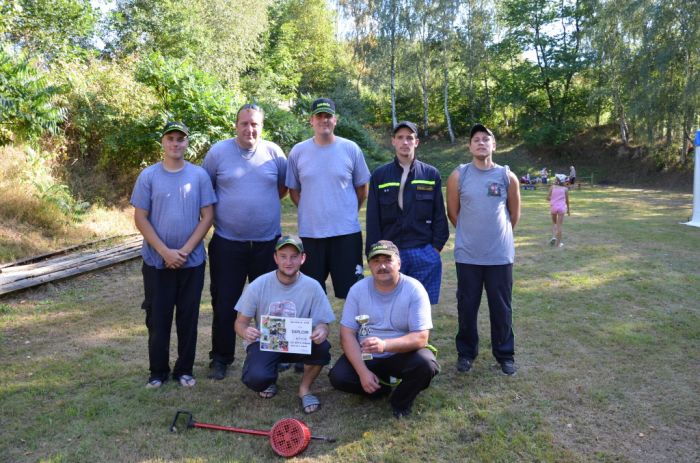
pixel 173 126
pixel 383 247
pixel 291 240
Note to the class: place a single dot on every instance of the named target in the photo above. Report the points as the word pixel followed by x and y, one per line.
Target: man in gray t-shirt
pixel 248 175
pixel 327 180
pixel 483 203
pixel 173 211
pixel 384 333
pixel 285 292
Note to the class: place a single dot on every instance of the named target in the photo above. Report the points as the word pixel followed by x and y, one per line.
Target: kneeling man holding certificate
pixel 384 333
pixel 290 314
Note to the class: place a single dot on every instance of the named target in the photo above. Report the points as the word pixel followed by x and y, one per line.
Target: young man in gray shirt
pixel 384 333
pixel 173 211
pixel 327 180
pixel 248 175
pixel 285 292
pixel 483 203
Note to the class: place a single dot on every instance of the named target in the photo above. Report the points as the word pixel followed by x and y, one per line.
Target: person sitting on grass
pixel 284 292
pixel 558 197
pixel 173 209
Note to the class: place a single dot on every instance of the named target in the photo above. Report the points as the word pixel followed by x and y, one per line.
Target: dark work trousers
pixel 338 255
pixel 498 281
pixel 260 367
pixel 415 369
pixel 165 291
pixel 230 264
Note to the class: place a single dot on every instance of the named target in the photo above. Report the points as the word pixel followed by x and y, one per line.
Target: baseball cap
pixel 179 126
pixel 408 124
pixel 383 247
pixel 479 128
pixel 290 239
pixel 323 105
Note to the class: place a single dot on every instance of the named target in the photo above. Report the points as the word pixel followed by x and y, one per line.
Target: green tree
pixel 301 55
pixel 27 99
pixel 219 37
pixel 54 29
pixel 554 32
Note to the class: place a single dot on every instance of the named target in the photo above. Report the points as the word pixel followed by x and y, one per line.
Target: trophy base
pixel 366 357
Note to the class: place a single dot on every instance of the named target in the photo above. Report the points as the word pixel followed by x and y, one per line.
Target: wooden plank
pixel 66 273
pixel 49 267
pixel 68 258
pixel 32 259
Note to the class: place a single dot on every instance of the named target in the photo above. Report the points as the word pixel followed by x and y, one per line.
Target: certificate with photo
pixel 285 334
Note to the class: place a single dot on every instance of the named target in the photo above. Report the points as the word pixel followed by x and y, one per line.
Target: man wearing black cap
pixel 327 179
pixel 384 333
pixel 483 203
pixel 405 205
pixel 173 211
pixel 285 292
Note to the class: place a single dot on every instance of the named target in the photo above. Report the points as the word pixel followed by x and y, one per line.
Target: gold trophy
pixel 363 320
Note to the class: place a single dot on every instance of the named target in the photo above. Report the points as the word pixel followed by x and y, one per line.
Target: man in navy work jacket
pixel 405 206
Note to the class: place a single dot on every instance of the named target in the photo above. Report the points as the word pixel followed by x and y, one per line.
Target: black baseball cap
pixel 408 124
pixel 323 105
pixel 479 128
pixel 173 126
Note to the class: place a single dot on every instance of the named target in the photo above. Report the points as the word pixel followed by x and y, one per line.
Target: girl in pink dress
pixel 558 197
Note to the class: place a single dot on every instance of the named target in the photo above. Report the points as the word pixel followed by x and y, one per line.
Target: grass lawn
pixel 607 333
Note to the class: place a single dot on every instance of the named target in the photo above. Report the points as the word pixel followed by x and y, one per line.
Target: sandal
pixel 154 384
pixel 187 381
pixel 269 393
pixel 309 403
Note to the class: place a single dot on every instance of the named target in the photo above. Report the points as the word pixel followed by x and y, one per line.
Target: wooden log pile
pixel 68 262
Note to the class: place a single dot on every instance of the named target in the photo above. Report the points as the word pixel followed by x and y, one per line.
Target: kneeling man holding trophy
pixel 290 314
pixel 384 332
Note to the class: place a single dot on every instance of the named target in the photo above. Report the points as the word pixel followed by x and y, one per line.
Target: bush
pixel 111 117
pixel 27 109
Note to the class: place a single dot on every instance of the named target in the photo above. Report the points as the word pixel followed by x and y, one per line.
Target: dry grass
pixel 30 225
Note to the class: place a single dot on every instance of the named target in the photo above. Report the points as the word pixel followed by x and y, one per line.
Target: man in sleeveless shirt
pixel 248 175
pixel 483 203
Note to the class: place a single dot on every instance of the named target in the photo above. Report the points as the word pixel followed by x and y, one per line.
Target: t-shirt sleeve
pixel 360 172
pixel 281 162
pixel 141 196
pixel 321 311
pixel 292 176
pixel 420 317
pixel 248 302
pixel 351 308
pixel 208 196
pixel 209 166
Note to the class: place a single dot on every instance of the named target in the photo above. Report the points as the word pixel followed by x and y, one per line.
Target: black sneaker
pixel 218 370
pixel 508 367
pixel 464 364
pixel 401 412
